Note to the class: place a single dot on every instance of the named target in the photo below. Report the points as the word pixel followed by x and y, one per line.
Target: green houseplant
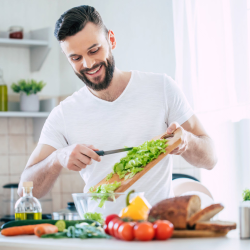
pixel 29 100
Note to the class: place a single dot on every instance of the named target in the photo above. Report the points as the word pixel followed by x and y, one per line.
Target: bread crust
pixel 205 214
pixel 176 210
pixel 215 225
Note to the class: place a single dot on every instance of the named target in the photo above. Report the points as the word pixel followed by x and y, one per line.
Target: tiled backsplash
pixel 16 145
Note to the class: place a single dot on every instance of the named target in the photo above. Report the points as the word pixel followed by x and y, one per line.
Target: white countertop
pixel 231 241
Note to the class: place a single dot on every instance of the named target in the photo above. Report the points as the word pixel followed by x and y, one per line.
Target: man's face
pixel 89 54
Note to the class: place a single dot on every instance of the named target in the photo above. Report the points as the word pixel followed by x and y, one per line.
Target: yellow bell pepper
pixel 137 209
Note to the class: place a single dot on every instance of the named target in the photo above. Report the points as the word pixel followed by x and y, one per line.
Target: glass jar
pixel 28 207
pixel 16 32
pixel 3 94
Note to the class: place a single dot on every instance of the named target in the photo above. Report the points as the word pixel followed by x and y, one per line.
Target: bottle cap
pixel 28 184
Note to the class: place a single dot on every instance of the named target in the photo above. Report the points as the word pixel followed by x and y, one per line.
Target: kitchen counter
pixel 231 241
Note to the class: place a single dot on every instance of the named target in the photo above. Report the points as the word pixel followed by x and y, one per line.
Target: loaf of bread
pixel 215 225
pixel 177 210
pixel 205 214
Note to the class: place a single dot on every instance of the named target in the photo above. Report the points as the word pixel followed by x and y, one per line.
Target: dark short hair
pixel 74 20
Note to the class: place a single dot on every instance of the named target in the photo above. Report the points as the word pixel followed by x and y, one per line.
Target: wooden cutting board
pixel 197 233
pixel 125 184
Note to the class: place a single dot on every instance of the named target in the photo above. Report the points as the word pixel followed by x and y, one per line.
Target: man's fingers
pixel 89 152
pixel 92 147
pixel 172 127
pixel 84 159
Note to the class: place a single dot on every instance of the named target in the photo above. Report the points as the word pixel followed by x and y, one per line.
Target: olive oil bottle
pixel 28 207
pixel 3 94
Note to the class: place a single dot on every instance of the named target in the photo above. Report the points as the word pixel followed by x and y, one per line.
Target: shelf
pixel 27 43
pixel 37 41
pixel 23 114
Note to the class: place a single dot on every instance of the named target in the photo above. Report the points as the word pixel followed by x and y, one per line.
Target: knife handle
pixel 101 152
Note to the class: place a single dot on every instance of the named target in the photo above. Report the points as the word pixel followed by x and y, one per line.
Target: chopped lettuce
pixel 107 190
pixel 94 216
pixel 109 176
pixel 138 158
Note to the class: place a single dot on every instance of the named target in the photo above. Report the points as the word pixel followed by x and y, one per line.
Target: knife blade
pixel 102 153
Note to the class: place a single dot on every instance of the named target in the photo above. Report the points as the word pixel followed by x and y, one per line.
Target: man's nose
pixel 88 63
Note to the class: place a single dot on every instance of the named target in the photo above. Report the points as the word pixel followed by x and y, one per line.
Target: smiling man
pixel 115 109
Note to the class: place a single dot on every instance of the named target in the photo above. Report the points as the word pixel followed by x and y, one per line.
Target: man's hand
pixel 77 156
pixel 184 138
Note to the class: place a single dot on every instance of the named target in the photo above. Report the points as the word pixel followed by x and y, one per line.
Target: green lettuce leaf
pixel 94 216
pixel 107 190
pixel 139 157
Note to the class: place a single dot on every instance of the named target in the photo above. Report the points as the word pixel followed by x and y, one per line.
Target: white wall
pixel 14 62
pixel 144 33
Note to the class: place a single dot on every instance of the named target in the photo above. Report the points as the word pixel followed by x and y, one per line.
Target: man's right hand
pixel 77 156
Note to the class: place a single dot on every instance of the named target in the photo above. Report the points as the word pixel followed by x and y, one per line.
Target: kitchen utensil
pixel 245 220
pixel 68 213
pixel 102 153
pixel 125 184
pixel 8 203
pixel 85 203
pixel 197 233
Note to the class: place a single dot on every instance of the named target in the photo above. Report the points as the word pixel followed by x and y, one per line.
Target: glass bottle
pixel 3 94
pixel 28 207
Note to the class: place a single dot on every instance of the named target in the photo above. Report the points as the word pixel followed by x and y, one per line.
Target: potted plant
pixel 29 100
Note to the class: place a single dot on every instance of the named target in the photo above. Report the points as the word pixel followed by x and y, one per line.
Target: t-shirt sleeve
pixel 53 132
pixel 177 106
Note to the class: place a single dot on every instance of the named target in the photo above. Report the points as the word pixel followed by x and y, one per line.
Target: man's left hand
pixel 184 138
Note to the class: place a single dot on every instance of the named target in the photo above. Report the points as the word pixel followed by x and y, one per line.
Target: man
pixel 114 109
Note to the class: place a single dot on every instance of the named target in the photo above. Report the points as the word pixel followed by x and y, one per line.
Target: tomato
pixel 163 229
pixel 110 217
pixel 111 226
pixel 144 231
pixel 106 229
pixel 126 231
pixel 116 226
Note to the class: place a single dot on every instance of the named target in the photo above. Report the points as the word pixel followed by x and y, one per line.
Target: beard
pixel 109 72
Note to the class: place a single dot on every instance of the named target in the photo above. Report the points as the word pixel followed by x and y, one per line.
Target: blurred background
pixel 202 44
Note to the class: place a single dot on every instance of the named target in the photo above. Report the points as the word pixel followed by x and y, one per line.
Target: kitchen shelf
pixel 23 114
pixel 37 41
pixel 27 43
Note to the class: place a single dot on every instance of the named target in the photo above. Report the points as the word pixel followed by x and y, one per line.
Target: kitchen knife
pixel 102 153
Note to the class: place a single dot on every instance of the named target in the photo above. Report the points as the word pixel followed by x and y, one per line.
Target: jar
pixel 16 32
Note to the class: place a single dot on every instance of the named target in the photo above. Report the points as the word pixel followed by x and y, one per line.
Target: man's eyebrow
pixel 72 55
pixel 88 49
pixel 92 46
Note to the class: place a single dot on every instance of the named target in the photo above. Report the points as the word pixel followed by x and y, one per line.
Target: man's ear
pixel 112 39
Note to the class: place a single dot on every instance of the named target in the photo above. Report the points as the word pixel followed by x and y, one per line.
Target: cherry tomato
pixel 163 229
pixel 144 231
pixel 116 226
pixel 106 229
pixel 126 231
pixel 110 217
pixel 111 226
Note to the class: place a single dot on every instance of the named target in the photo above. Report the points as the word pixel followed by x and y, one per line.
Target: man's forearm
pixel 43 175
pixel 200 152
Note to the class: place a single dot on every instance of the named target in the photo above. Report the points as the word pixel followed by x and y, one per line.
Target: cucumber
pixel 68 223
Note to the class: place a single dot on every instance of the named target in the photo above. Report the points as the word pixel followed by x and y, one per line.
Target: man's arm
pixel 197 147
pixel 46 163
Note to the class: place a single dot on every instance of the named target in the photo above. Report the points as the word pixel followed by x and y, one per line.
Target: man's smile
pixel 95 72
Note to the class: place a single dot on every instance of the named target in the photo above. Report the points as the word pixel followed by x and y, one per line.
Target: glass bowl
pixel 88 202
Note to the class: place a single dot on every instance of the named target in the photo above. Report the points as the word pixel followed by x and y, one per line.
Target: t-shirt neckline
pixel 116 100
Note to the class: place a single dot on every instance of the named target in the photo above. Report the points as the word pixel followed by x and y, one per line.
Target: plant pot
pixel 29 103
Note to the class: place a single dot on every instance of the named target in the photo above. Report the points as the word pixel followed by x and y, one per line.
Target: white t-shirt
pixel 145 109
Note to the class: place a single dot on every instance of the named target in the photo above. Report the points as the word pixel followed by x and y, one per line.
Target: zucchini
pixel 68 223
